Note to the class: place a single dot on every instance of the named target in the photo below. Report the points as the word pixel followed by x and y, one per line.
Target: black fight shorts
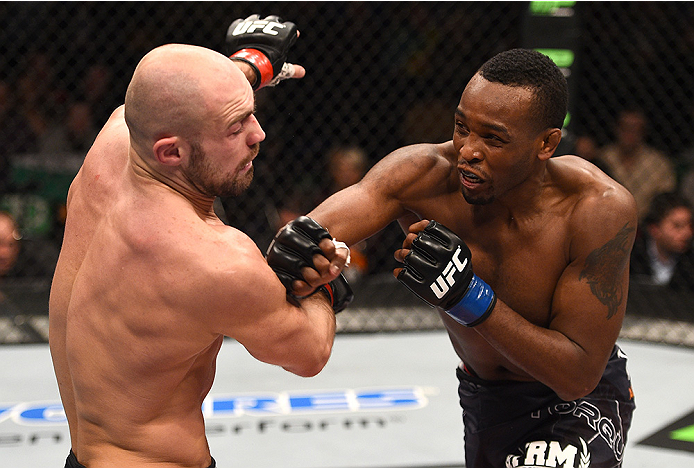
pixel 72 462
pixel 525 424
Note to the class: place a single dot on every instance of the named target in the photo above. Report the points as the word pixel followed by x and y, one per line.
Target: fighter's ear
pixel 550 139
pixel 171 151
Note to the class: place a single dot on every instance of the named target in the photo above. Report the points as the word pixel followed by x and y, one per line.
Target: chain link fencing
pixel 380 75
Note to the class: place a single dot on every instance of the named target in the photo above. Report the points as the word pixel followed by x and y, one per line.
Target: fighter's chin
pixel 477 199
pixel 239 185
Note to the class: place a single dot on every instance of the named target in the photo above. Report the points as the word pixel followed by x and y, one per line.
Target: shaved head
pixel 170 91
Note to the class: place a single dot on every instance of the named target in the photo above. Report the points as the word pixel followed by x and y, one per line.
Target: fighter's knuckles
pixel 321 263
pixel 400 254
pixel 328 247
pixel 312 277
pixel 409 239
pixel 301 288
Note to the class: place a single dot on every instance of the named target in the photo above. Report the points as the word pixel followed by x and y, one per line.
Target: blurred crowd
pixel 48 121
pixel 47 125
pixel 663 187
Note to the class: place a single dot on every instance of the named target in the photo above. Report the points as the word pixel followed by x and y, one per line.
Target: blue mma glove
pixel 438 270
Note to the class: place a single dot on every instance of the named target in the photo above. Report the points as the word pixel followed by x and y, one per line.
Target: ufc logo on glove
pixel 446 280
pixel 464 297
pixel 266 27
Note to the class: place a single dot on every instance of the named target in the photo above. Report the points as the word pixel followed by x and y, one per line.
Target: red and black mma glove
pixel 263 44
pixel 293 248
pixel 438 269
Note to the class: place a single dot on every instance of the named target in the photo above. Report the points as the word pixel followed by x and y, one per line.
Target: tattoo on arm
pixel 603 270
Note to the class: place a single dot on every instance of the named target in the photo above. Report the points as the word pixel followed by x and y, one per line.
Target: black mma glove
pixel 263 44
pixel 438 269
pixel 293 248
pixel 339 293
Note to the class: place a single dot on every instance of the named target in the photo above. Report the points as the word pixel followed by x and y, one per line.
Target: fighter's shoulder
pixel 427 154
pixel 588 181
pixel 115 126
pixel 602 205
pixel 232 249
pixel 110 148
pixel 235 269
pixel 193 249
pixel 105 159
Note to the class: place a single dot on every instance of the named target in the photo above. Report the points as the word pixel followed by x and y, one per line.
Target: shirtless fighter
pixel 149 281
pixel 542 382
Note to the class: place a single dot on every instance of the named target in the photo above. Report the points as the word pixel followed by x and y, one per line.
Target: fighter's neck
pixel 527 199
pixel 146 178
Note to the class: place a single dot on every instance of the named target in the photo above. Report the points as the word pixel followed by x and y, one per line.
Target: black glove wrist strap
pixel 327 289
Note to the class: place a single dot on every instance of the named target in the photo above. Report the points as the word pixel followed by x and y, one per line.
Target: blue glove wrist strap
pixel 476 304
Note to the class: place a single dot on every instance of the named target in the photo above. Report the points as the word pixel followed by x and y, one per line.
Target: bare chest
pixel 524 275
pixel 522 262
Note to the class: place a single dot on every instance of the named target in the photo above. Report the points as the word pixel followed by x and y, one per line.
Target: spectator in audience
pixel 427 121
pixel 686 159
pixel 9 243
pixel 22 255
pixel 586 147
pixel 39 96
pixel 662 253
pixel 81 130
pixel 687 185
pixel 75 135
pixel 642 169
pixel 347 165
pixel 96 89
pixel 16 135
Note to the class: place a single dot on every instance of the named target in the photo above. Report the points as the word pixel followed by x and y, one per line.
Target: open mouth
pixel 470 179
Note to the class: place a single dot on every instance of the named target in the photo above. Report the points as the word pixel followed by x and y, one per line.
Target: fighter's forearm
pixel 247 70
pixel 547 355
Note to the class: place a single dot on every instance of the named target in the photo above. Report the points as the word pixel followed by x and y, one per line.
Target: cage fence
pixel 380 75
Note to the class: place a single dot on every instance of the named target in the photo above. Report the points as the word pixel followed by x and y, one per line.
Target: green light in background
pixel 564 58
pixel 550 8
pixel 567 119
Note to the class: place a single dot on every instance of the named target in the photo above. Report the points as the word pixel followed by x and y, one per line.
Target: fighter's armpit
pixel 604 268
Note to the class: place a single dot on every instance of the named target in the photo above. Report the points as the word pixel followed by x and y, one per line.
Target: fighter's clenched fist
pixel 438 269
pixel 294 251
pixel 263 44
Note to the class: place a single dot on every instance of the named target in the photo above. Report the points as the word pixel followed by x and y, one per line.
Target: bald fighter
pixel 149 281
pixel 526 257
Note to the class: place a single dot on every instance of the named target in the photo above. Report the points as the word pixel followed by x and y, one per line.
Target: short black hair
pixel 535 71
pixel 661 206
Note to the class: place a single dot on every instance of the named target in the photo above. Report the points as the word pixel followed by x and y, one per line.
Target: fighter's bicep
pixel 590 299
pixel 270 327
pixel 357 212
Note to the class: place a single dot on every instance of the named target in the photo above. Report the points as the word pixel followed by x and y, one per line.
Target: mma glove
pixel 263 44
pixel 438 270
pixel 293 248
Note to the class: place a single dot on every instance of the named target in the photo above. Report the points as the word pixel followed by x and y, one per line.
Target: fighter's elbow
pixel 307 371
pixel 576 388
pixel 312 365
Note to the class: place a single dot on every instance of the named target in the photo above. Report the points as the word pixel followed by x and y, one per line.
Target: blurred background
pixel 380 75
